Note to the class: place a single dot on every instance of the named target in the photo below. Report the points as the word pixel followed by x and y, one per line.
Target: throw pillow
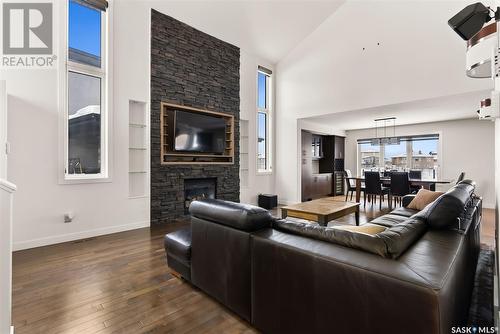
pixel 423 198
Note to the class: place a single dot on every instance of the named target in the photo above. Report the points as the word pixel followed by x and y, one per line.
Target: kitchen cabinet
pixel 333 161
pixel 306 164
pixel 321 186
pixel 317 146
pixel 339 147
pixel 328 151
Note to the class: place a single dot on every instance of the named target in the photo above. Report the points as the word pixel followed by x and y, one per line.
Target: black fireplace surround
pixel 191 68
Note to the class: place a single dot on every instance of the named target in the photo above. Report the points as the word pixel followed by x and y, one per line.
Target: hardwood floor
pixel 117 283
pixel 120 283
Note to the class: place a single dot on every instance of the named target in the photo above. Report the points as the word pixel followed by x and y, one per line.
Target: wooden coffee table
pixel 321 210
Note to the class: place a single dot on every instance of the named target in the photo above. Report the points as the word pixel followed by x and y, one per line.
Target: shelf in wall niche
pixel 134 125
pixel 244 156
pixel 138 197
pixel 138 150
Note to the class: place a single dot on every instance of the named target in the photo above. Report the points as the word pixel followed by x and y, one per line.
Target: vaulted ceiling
pixel 374 55
pixel 267 29
pixel 360 57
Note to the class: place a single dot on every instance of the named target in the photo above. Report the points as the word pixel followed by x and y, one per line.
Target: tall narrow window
pixel 86 122
pixel 264 120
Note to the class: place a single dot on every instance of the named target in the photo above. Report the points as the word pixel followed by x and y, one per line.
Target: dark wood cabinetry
pixel 321 185
pixel 317 146
pixel 306 164
pixel 339 147
pixel 328 178
pixel 326 165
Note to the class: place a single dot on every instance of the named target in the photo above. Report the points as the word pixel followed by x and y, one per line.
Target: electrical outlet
pixel 68 217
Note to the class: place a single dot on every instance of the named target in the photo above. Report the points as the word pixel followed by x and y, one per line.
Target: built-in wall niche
pixel 244 170
pixel 138 149
pixel 195 136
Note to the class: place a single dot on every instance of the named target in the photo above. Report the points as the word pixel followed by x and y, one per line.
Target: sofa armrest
pixel 243 217
pixel 407 199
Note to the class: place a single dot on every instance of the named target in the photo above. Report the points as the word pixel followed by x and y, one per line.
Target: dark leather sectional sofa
pixel 416 276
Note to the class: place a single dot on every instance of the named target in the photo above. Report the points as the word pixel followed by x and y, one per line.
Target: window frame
pixel 103 73
pixel 413 136
pixel 268 111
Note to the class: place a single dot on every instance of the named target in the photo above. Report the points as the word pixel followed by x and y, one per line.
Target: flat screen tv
pixel 200 133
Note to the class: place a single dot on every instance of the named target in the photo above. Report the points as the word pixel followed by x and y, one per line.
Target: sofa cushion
pixel 406 199
pixel 444 211
pixel 389 220
pixel 401 236
pixel 405 212
pixel 240 216
pixel 423 198
pixel 370 229
pixel 389 242
pixel 362 241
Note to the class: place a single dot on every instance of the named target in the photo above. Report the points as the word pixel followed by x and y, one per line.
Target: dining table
pixel 423 183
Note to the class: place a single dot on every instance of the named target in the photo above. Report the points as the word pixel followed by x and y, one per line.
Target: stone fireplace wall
pixel 191 68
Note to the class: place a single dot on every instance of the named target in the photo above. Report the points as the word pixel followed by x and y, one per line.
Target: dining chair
pixel 374 188
pixel 415 175
pixel 400 186
pixel 351 184
pixel 461 177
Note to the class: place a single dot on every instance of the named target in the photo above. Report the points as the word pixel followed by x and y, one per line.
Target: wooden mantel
pixel 170 157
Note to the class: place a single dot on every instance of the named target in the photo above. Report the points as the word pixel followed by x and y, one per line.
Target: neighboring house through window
pixel 410 153
pixel 264 109
pixel 86 142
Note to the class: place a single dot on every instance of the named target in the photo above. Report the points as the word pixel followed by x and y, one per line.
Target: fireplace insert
pixel 197 189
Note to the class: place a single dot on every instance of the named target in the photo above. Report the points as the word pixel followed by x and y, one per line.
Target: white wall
pixel 258 183
pixel 3 130
pixel 465 145
pixel 34 110
pixel 329 72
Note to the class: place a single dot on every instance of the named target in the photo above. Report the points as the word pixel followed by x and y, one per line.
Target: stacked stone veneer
pixel 191 68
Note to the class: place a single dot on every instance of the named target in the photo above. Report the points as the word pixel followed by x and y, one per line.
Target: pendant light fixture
pixel 383 129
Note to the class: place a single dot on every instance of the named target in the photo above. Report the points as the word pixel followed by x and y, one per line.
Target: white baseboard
pixel 77 236
pixel 488 205
pixel 287 202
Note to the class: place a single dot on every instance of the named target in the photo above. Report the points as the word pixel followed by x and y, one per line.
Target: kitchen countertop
pixel 320 174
